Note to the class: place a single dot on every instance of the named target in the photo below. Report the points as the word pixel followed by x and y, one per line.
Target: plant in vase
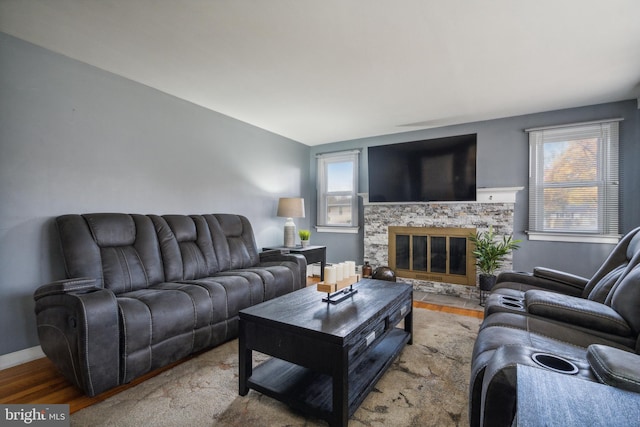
pixel 490 253
pixel 304 237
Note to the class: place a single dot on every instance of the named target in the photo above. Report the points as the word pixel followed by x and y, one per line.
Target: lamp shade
pixel 291 207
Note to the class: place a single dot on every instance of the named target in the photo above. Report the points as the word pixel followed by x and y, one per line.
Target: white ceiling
pixel 331 70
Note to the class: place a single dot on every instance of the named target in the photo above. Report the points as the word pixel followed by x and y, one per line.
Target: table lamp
pixel 290 207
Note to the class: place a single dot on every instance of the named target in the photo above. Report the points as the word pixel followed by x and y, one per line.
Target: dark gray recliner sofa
pixel 599 335
pixel 144 291
pixel 508 339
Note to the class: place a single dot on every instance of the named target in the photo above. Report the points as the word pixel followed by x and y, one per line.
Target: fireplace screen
pixel 438 254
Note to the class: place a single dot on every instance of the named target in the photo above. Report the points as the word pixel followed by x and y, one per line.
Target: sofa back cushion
pixel 233 240
pixel 623 257
pixel 119 251
pixel 633 250
pixel 186 246
pixel 602 288
pixel 626 299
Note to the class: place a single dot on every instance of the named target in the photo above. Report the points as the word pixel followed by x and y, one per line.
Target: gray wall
pixel 503 162
pixel 77 139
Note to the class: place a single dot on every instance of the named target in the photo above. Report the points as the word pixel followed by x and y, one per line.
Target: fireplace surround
pixel 495 207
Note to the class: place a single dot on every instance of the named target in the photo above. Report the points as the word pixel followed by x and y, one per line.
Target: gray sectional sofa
pixel 144 291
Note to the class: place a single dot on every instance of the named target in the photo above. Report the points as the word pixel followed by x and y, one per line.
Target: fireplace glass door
pixel 438 254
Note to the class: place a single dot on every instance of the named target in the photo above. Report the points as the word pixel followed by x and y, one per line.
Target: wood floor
pixel 447 309
pixel 39 382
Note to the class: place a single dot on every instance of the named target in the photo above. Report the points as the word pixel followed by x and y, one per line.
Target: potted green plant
pixel 490 253
pixel 304 237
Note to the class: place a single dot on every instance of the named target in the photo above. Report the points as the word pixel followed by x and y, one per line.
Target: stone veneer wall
pixel 378 217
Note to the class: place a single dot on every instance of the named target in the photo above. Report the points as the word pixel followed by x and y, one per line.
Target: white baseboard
pixel 20 357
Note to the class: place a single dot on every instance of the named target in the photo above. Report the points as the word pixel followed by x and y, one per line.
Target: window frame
pixel 323 161
pixel 607 180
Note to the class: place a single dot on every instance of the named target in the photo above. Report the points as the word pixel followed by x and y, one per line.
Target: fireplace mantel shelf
pixel 484 195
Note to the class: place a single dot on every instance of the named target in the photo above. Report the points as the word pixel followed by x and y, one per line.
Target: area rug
pixel 427 385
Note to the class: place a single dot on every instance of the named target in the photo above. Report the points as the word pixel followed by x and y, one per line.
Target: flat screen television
pixel 433 170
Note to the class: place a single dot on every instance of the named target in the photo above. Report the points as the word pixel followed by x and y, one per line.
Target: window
pixel 337 191
pixel 573 182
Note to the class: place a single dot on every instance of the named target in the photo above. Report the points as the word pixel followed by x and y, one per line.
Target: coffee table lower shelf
pixel 311 392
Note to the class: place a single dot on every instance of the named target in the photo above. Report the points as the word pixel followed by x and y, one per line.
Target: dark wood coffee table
pixel 326 358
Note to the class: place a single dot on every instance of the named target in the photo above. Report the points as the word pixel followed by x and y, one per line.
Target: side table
pixel 312 254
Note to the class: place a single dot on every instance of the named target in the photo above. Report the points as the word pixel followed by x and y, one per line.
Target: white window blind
pixel 337 188
pixel 573 179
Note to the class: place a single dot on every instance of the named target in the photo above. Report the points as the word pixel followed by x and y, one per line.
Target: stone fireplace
pixel 445 221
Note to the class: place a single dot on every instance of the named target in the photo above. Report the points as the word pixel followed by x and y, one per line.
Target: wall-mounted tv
pixel 433 170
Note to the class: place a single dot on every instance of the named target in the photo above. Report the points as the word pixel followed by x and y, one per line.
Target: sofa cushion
pixel 203 311
pixel 230 293
pixel 576 311
pixel 119 251
pixel 577 335
pixel 186 245
pixel 603 286
pixel 276 279
pixel 233 241
pixel 626 300
pixel 157 325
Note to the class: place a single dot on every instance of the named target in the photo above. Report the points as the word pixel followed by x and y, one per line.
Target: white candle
pixel 330 275
pixel 339 271
pixel 351 266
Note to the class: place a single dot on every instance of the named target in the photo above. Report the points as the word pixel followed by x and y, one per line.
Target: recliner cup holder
pixel 511 299
pixel 555 363
pixel 512 305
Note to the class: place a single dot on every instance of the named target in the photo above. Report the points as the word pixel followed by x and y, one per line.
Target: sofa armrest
pixel 272 255
pixel 299 261
pixel 576 311
pixel 276 255
pixel 79 285
pixel 563 277
pixel 541 279
pixel 78 328
pixel 615 367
